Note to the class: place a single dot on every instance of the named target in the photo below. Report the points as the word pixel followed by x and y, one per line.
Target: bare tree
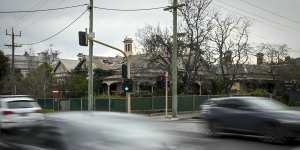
pixel 196 27
pixel 274 56
pixel 157 45
pixel 230 42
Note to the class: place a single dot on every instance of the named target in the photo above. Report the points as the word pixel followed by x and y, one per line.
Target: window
pixel 232 103
pixel 21 104
pixel 264 104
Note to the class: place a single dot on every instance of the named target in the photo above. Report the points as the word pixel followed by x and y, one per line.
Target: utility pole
pixel 90 88
pixel 13 45
pixel 174 58
pixel 174 61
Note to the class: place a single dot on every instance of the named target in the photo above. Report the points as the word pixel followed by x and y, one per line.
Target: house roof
pixel 69 63
pixel 115 63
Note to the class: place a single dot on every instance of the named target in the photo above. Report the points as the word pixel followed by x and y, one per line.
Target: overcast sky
pixel 281 27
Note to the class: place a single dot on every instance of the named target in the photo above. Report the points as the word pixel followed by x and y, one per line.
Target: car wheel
pixel 273 134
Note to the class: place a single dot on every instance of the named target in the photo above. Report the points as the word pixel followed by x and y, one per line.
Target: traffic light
pixel 83 39
pixel 161 81
pixel 124 71
pixel 127 85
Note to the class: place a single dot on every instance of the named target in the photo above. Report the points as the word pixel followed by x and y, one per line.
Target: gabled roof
pixel 68 64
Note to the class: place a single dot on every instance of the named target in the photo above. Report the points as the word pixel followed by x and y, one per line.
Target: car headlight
pixel 289 121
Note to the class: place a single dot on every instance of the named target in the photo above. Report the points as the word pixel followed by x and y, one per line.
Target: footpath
pixel 180 116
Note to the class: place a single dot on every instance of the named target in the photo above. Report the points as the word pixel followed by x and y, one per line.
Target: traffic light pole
pixel 112 47
pixel 128 69
pixel 128 93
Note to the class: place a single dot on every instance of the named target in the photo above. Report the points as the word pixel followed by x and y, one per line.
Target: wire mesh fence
pixel 138 104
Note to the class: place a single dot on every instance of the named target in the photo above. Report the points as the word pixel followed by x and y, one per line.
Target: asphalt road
pixel 188 133
pixel 193 131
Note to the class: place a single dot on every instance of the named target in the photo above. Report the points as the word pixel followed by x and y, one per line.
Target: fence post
pixel 94 103
pixel 58 104
pixel 152 103
pixel 193 103
pixel 109 105
pixel 81 104
pixel 44 103
pixel 70 104
pixel 53 104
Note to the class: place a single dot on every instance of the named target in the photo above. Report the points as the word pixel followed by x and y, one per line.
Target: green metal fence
pixel 138 104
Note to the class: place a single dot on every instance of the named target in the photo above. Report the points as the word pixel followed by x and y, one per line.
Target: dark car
pixel 255 116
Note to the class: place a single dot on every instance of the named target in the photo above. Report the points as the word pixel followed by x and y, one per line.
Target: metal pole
pixel 200 90
pixel 193 103
pixel 174 61
pixel 80 104
pixel 128 69
pixel 128 94
pixel 53 104
pixel 152 103
pixel 152 90
pixel 152 100
pixel 70 105
pixel 58 104
pixel 166 88
pixel 94 103
pixel 13 59
pixel 109 99
pixel 90 88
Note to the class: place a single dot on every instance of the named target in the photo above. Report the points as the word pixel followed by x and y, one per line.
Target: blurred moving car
pixel 19 111
pixel 255 116
pixel 98 131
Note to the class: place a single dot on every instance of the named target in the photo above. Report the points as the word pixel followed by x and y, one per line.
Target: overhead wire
pixel 271 12
pixel 257 16
pixel 60 31
pixel 23 22
pixel 140 9
pixel 27 25
pixel 257 35
pixel 41 10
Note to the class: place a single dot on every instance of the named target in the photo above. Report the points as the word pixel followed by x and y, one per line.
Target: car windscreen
pixel 265 104
pixel 21 104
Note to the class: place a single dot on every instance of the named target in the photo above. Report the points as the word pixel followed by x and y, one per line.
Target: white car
pixel 17 111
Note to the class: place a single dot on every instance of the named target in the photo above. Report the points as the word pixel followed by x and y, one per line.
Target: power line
pixel 271 12
pixel 140 9
pixel 21 21
pixel 257 16
pixel 60 31
pixel 40 10
pixel 257 35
